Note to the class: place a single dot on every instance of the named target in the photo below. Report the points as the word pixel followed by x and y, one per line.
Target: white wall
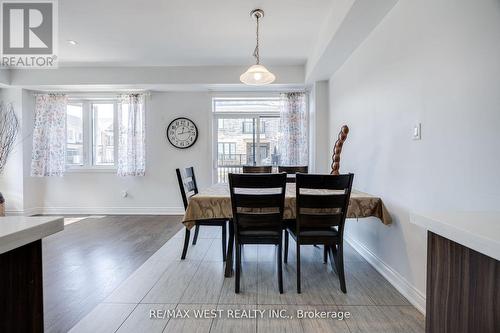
pixel 4 77
pixel 155 193
pixel 318 128
pixel 436 62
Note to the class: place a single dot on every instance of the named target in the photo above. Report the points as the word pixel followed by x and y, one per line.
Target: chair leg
pixel 285 259
pixel 186 244
pixel 332 252
pixel 229 257
pixel 298 266
pixel 238 269
pixel 280 268
pixel 224 242
pixel 337 262
pixel 340 266
pixel 195 238
pixel 325 254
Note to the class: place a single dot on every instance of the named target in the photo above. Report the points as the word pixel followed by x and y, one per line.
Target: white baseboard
pixel 412 294
pixel 9 212
pixel 103 211
pixel 32 211
pixel 24 212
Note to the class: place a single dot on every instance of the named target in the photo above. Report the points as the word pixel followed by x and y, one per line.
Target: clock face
pixel 182 133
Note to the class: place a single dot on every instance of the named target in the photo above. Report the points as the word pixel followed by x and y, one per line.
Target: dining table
pixel 214 202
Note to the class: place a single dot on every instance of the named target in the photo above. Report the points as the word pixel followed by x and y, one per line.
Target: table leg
pixel 229 257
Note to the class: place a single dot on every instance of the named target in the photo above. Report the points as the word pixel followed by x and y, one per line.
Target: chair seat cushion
pixel 260 233
pixel 215 222
pixel 316 232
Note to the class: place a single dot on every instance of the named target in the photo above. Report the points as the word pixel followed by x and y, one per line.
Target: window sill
pixel 91 170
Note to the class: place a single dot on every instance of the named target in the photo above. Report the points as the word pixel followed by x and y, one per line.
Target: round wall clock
pixel 182 133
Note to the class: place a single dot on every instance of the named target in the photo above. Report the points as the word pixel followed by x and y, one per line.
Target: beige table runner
pixel 215 202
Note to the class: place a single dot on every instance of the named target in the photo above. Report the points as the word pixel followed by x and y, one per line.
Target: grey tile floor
pixel 164 282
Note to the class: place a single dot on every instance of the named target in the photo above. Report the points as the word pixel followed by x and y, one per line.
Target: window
pixel 248 127
pixel 227 150
pixel 91 134
pixel 249 134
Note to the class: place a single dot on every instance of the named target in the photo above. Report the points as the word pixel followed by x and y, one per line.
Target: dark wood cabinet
pixel 463 289
pixel 21 289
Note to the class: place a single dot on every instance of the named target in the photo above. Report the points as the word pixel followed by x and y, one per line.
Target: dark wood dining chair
pixel 293 170
pixel 321 209
pixel 257 169
pixel 188 188
pixel 258 203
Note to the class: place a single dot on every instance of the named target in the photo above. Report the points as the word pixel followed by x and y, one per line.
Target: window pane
pixel 269 141
pixel 235 146
pixel 74 134
pixel 248 127
pixel 103 134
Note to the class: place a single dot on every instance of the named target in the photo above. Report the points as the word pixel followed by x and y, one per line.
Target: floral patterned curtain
pixel 49 136
pixel 294 147
pixel 131 135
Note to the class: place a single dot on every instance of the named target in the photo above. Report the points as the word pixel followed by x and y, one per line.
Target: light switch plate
pixel 417 132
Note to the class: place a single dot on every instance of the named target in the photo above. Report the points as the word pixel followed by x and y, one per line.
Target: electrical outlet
pixel 417 132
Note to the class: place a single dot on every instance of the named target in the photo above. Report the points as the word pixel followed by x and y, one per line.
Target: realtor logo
pixel 29 34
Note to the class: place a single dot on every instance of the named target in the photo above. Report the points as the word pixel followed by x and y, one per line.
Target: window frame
pixel 256 116
pixel 88 136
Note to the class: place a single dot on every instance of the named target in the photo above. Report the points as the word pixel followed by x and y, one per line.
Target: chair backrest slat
pixel 265 180
pixel 187 184
pixel 257 201
pixel 322 200
pixel 317 206
pixel 292 171
pixel 326 182
pixel 257 169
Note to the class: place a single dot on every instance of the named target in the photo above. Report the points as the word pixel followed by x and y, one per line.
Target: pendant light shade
pixel 257 75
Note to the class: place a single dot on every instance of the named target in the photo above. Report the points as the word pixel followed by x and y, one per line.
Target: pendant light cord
pixel 256 51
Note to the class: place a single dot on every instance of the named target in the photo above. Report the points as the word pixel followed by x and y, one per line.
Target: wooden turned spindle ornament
pixel 337 149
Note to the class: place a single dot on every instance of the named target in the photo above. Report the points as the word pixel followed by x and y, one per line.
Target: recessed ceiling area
pixel 200 44
pixel 187 33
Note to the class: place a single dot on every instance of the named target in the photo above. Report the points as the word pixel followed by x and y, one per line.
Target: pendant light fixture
pixel 257 75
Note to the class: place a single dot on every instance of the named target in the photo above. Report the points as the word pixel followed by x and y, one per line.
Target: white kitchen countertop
pixel 16 231
pixel 479 231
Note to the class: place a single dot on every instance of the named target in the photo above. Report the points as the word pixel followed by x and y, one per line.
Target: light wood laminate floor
pixel 164 282
pixel 85 262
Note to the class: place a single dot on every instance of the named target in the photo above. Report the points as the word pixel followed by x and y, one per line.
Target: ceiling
pixel 187 32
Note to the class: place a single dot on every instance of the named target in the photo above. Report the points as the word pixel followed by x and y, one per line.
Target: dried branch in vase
pixel 9 126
